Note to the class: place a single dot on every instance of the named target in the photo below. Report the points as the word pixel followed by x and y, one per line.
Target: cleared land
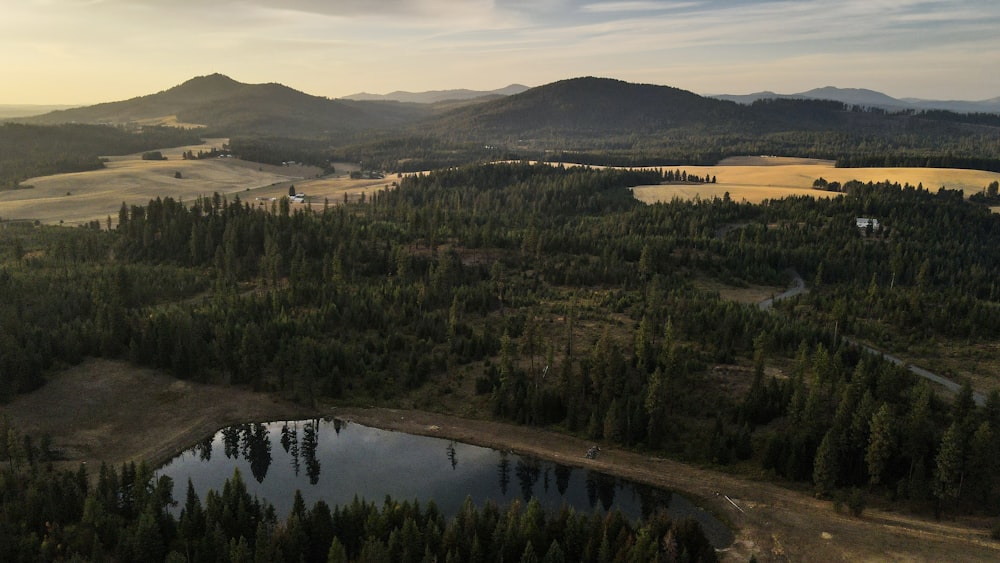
pixel 78 198
pixel 94 413
pixel 754 179
pixel 113 412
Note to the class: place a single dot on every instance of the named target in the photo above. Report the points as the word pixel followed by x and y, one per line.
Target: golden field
pixel 754 179
pixel 78 198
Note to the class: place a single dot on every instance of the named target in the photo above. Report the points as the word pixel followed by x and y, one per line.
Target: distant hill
pixel 871 99
pixel 435 96
pixel 9 111
pixel 599 115
pixel 582 107
pixel 228 107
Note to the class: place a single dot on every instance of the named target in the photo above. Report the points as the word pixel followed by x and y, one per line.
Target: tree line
pixel 27 151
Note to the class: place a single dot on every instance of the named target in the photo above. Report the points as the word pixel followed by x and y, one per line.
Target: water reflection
pixel 372 463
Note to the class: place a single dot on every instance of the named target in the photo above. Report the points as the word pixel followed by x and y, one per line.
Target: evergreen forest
pixel 568 303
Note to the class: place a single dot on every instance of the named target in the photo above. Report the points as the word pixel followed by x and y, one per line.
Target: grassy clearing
pixel 754 179
pixel 78 198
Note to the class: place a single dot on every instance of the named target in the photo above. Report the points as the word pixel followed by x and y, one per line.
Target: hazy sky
pixel 89 51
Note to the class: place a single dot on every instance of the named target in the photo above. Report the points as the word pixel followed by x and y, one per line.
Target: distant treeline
pixel 35 150
pixel 278 150
pixel 918 161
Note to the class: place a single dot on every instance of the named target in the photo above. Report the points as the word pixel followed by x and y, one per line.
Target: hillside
pixel 618 122
pixel 587 107
pixel 226 106
pixel 590 120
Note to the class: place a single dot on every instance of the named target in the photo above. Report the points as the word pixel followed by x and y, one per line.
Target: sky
pixel 91 51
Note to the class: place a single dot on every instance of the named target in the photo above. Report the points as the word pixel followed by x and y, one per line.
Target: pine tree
pixel 881 444
pixel 949 468
pixel 826 469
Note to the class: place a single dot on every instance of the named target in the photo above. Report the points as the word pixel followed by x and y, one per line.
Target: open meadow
pixel 754 179
pixel 78 198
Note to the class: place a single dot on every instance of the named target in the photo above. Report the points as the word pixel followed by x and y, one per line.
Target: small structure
pixel 864 222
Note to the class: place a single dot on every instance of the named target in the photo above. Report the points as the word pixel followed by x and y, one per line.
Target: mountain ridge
pixel 435 96
pixel 585 110
pixel 870 98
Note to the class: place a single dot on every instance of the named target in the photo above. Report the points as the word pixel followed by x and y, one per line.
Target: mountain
pixel 585 107
pixel 852 96
pixel 599 113
pixel 871 99
pixel 435 96
pixel 228 107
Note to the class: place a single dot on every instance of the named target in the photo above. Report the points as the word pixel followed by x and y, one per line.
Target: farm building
pixel 865 222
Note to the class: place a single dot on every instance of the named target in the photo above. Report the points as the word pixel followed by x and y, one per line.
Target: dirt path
pixel 775 524
pixel 113 412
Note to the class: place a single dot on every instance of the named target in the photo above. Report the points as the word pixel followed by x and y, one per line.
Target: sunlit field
pixel 754 179
pixel 81 197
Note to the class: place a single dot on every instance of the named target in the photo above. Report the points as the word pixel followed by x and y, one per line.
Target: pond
pixel 336 461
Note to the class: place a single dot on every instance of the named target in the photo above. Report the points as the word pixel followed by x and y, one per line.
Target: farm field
pixel 77 198
pixel 754 179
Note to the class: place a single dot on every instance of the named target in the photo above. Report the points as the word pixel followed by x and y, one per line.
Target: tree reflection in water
pixel 372 463
pixel 563 473
pixel 503 472
pixel 258 451
pixel 450 451
pixel 527 470
pixel 310 439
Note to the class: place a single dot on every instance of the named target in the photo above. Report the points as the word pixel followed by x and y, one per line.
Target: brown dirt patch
pixel 113 412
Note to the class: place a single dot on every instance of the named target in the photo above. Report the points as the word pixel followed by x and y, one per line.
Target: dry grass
pixel 754 179
pixel 110 411
pixel 750 294
pixel 320 190
pixel 78 198
pixel 81 197
pixel 168 121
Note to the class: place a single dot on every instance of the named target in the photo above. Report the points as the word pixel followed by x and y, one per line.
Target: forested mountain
pixel 228 107
pixel 588 107
pixel 589 120
pixel 592 112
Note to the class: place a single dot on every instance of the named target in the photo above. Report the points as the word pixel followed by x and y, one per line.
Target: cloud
pixel 403 44
pixel 648 6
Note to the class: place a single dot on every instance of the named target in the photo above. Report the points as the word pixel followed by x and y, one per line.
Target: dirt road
pixel 776 524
